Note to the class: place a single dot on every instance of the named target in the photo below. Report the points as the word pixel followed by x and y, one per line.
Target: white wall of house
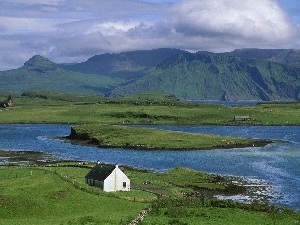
pixel 116 181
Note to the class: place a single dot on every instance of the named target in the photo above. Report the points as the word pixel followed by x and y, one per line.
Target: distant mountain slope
pixel 39 73
pixel 219 77
pixel 287 56
pixel 127 65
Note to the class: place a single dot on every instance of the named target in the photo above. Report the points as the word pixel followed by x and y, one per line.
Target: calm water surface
pixel 276 165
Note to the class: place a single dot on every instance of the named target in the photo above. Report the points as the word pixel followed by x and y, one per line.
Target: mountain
pixel 219 77
pixel 285 56
pixel 126 65
pixel 98 75
pixel 39 73
pixel 243 74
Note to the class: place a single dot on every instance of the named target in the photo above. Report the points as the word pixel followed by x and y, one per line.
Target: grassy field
pixel 57 194
pixel 143 109
pixel 188 213
pixel 44 198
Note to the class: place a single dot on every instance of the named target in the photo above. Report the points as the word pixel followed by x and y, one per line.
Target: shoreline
pixel 13 157
pixel 233 186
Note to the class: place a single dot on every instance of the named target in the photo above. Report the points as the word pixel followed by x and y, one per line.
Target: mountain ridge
pixel 286 56
pixel 129 65
pixel 243 74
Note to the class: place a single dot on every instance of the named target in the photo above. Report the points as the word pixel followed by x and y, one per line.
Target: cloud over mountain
pixel 74 30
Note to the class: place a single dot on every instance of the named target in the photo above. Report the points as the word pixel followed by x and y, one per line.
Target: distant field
pixel 43 107
pixel 95 116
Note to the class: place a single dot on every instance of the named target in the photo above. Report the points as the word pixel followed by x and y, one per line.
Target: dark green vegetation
pixel 56 194
pixel 245 74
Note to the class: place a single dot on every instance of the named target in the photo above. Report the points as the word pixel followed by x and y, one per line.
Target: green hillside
pixel 39 73
pixel 216 77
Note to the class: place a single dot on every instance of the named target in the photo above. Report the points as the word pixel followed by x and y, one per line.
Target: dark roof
pixel 100 172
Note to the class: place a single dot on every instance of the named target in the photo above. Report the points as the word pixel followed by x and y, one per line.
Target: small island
pixel 130 137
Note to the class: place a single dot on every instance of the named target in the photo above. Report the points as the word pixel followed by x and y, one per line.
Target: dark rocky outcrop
pixel 7 103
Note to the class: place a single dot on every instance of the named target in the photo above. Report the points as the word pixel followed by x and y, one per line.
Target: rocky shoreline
pixel 25 157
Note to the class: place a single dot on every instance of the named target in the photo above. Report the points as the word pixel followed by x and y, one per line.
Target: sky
pixel 67 31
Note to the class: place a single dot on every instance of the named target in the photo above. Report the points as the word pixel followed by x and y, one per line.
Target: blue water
pixel 277 165
pixel 225 103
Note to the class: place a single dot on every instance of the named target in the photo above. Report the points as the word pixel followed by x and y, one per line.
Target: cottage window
pixel 124 184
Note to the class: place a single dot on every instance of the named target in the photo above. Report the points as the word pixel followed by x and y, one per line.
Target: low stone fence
pixel 140 217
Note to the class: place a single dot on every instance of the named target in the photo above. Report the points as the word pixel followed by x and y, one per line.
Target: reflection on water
pixel 275 164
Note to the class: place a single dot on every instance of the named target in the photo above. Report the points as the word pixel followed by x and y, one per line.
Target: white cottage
pixel 108 177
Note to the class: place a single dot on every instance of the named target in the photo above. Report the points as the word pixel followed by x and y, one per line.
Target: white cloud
pixel 45 2
pixel 252 21
pixel 26 25
pixel 74 30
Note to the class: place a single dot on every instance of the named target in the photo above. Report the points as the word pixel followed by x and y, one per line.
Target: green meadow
pixel 32 196
pixel 56 194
